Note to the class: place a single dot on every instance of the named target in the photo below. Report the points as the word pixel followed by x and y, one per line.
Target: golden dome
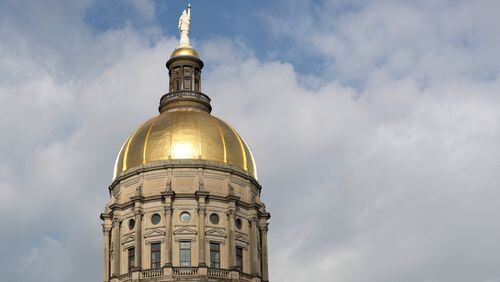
pixel 184 51
pixel 185 134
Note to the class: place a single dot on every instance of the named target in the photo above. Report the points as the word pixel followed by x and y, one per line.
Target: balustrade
pixel 185 271
pixel 184 93
pixel 218 272
pixel 158 272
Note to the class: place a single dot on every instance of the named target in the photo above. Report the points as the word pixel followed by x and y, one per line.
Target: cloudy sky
pixel 375 126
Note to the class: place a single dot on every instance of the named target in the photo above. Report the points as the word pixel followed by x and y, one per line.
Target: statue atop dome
pixel 184 22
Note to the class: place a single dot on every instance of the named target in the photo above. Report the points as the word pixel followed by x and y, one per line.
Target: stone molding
pixel 228 199
pixel 216 232
pixel 185 231
pixel 154 232
pixel 190 163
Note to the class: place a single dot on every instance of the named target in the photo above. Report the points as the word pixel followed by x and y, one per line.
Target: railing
pixel 218 272
pixel 157 272
pixel 245 277
pixel 185 271
pixel 184 93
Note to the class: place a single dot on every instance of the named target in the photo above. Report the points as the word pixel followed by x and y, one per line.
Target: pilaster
pixel 202 211
pixel 138 239
pixel 254 248
pixel 263 234
pixel 106 230
pixel 116 251
pixel 231 238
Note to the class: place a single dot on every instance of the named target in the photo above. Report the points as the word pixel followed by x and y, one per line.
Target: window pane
pixel 156 255
pixel 131 258
pixel 185 245
pixel 214 255
pixel 155 247
pixel 185 253
pixel 239 257
pixel 214 246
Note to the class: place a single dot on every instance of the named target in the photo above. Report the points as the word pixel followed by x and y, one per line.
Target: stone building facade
pixel 185 202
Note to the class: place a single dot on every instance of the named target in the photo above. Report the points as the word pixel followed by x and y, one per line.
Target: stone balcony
pixel 186 274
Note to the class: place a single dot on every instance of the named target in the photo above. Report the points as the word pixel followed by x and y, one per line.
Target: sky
pixel 374 125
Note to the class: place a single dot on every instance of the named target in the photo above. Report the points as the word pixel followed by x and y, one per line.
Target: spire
pixel 184 68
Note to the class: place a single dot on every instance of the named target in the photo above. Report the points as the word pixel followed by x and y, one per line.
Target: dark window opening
pixel 214 255
pixel 155 255
pixel 131 258
pixel 239 257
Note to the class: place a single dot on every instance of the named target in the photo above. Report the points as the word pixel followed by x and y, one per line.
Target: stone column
pixel 168 198
pixel 138 241
pixel 106 232
pixel 265 271
pixel 231 239
pixel 116 248
pixel 254 248
pixel 168 235
pixel 202 211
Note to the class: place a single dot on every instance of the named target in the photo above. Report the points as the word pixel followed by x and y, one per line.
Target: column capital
pixel 106 229
pixel 254 220
pixel 138 212
pixel 169 210
pixel 264 228
pixel 201 209
pixel 116 222
pixel 231 212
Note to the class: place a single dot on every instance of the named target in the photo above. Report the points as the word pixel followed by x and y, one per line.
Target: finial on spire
pixel 184 22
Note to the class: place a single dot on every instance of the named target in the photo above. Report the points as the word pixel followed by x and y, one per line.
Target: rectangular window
pixel 196 85
pixel 177 84
pixel 214 255
pixel 185 253
pixel 239 257
pixel 131 258
pixel 155 255
pixel 187 84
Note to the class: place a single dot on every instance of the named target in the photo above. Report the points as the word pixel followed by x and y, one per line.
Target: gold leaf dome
pixel 184 51
pixel 185 134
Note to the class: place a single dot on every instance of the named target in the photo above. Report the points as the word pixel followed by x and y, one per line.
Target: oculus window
pixel 185 217
pixel 214 218
pixel 155 219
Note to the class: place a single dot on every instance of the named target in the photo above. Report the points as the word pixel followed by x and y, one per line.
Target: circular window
pixel 214 218
pixel 131 224
pixel 155 219
pixel 185 217
pixel 238 223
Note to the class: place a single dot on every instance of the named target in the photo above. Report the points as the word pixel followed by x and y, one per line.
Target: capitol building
pixel 184 203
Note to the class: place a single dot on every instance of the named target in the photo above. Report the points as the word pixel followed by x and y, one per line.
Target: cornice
pixel 228 199
pixel 189 163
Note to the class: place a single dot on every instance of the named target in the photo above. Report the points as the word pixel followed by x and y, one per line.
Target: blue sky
pixel 244 20
pixel 374 125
